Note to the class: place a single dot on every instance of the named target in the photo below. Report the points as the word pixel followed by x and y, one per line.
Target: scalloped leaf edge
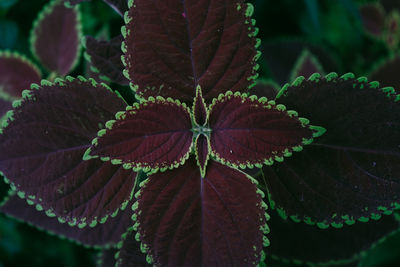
pixel 52 233
pixel 138 167
pixel 144 248
pixel 46 10
pixel 252 32
pixel 26 95
pixel 22 58
pixel 317 130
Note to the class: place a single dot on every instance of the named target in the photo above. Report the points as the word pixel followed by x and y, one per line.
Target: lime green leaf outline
pixel 47 9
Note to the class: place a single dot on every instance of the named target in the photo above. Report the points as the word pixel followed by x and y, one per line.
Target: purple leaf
pixel 120 6
pixel 16 74
pixel 131 252
pixel 250 131
pixel 101 235
pixel 199 108
pixel 387 73
pixel 171 47
pixel 202 152
pixel 306 65
pixel 302 243
pixel 265 88
pixel 5 106
pixel 184 219
pixel 352 171
pixel 105 57
pixel 42 147
pixel 281 55
pixel 154 134
pixel 55 37
pixel 373 18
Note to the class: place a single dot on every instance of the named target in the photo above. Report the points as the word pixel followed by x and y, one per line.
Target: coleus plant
pixel 191 64
pixel 55 43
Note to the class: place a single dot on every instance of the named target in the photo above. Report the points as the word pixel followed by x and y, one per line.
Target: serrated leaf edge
pixel 317 130
pixel 22 58
pixel 144 248
pixel 139 166
pixel 52 233
pixel 47 9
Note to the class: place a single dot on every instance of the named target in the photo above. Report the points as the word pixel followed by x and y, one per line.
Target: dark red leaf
pixel 199 108
pixel 352 171
pixel 5 105
pixel 171 47
pixel 265 88
pixel 184 219
pixel 247 131
pixel 41 151
pixel 387 73
pixel 105 57
pixel 131 254
pixel 306 65
pixel 302 243
pixel 281 55
pixel 16 74
pixel 202 152
pixel 373 18
pixel 103 234
pixel 154 134
pixel 55 38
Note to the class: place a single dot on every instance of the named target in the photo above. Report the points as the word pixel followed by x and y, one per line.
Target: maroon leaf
pixel 41 151
pixel 202 152
pixel 265 88
pixel 16 74
pixel 171 47
pixel 199 108
pixel 101 235
pixel 387 73
pixel 5 105
pixel 373 18
pixel 184 219
pixel 306 65
pixel 352 171
pixel 55 38
pixel 154 134
pixel 247 131
pixel 131 253
pixel 302 243
pixel 120 6
pixel 105 57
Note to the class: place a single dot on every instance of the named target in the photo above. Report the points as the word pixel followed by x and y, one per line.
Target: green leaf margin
pixel 120 116
pixel 349 220
pixel 144 248
pixel 253 32
pixel 30 199
pixel 269 104
pixel 47 9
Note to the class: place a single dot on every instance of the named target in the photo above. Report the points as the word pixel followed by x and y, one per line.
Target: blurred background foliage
pixel 332 28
